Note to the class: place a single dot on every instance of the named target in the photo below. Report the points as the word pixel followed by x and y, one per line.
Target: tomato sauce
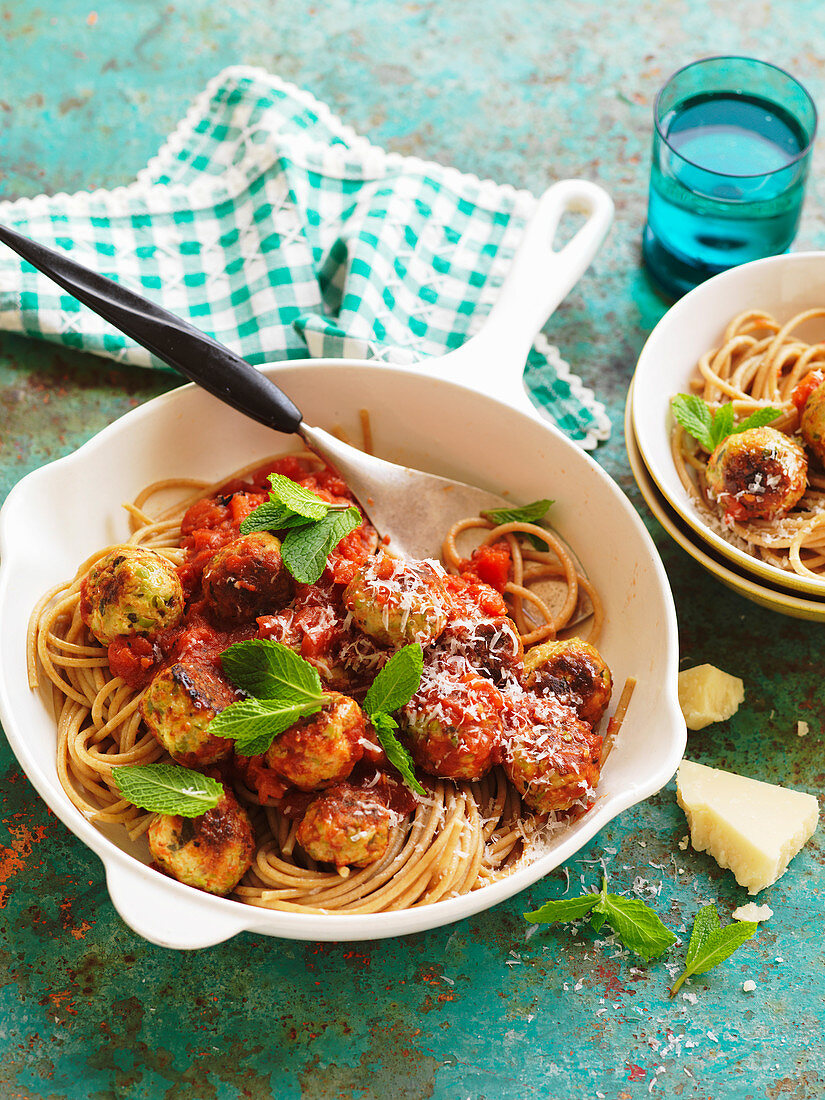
pixel 812 380
pixel 132 658
pixel 470 589
pixel 490 564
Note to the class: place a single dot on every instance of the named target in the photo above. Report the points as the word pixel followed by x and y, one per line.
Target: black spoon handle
pixel 181 345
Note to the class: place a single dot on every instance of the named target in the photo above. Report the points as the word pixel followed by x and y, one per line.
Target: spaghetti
pixel 760 364
pixel 462 836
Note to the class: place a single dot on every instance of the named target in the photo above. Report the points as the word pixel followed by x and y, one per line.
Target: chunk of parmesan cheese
pixel 753 912
pixel 753 828
pixel 706 694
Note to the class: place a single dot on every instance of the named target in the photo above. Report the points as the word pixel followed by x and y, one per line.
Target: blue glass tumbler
pixel 731 151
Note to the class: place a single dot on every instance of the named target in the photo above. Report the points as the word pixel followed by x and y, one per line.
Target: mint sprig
pixel 167 788
pixel 533 512
pixel 391 689
pixel 527 513
pixel 253 724
pixel 709 428
pixel 397 681
pixel 282 686
pixel 305 549
pixel 314 527
pixel 385 727
pixel 710 943
pixel 296 498
pixel 636 924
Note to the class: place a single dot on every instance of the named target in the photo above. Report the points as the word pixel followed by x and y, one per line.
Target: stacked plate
pixel 782 286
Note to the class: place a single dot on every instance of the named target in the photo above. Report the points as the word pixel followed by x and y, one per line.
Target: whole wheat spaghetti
pixel 759 364
pixel 461 836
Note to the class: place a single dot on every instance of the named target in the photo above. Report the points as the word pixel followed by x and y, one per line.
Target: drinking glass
pixel 731 150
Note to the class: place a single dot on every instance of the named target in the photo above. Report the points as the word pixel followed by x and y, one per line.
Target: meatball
pixel 491 646
pixel 213 851
pixel 346 826
pixel 247 578
pixel 550 756
pixel 398 601
pixel 323 748
pixel 178 706
pixel 812 422
pixel 131 590
pixel 454 725
pixel 757 474
pixel 573 669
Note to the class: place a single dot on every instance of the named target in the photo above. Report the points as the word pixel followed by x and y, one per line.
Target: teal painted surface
pixel 525 92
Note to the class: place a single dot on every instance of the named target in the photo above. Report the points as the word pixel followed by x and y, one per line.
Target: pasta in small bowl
pixel 728 410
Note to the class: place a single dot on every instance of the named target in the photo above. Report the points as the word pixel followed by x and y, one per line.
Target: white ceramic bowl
pixel 781 285
pixel 61 513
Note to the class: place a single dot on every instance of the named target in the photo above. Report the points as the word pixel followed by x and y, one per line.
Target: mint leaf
pixel 636 924
pixel 270 670
pixel 304 550
pixel 722 425
pixel 710 943
pixel 709 428
pixel 722 943
pixel 694 414
pixel 597 919
pixel 705 923
pixel 563 909
pixel 296 498
pixel 253 724
pixel 167 788
pixel 528 513
pixel 385 727
pixel 757 419
pixel 397 681
pixel 271 516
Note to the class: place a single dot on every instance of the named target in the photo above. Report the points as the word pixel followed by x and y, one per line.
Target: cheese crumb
pixel 749 986
pixel 752 828
pixel 683 843
pixel 802 729
pixel 706 694
pixel 751 911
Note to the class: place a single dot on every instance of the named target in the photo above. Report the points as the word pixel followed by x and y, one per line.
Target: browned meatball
pixel 550 756
pixel 760 473
pixel 178 706
pixel 323 748
pixel 212 852
pixel 574 669
pixel 247 578
pixel 396 600
pixel 346 826
pixel 131 590
pixel 454 726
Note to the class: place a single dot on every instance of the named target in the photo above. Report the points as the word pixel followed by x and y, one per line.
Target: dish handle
pixel 540 277
pixel 159 910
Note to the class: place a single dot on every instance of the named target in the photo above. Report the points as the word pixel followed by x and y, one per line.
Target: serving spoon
pixel 412 508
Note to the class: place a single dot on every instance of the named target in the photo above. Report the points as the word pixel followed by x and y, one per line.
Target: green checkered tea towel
pixel 279 231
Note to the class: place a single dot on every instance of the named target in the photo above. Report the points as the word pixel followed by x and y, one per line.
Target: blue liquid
pixel 727 190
